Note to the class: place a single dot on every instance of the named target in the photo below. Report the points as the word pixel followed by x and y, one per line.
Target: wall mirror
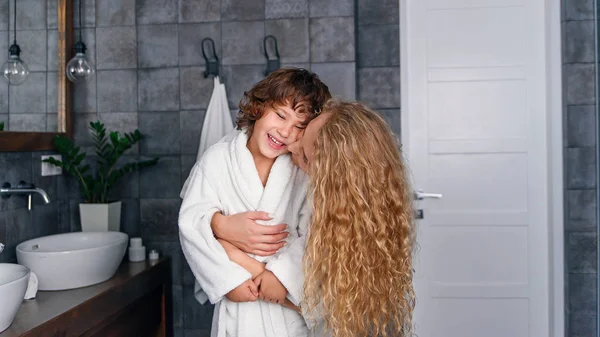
pixel 37 110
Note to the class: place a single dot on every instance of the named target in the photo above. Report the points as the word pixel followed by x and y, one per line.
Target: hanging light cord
pixel 80 25
pixel 15 22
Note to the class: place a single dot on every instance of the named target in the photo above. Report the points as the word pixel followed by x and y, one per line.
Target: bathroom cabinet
pixel 135 302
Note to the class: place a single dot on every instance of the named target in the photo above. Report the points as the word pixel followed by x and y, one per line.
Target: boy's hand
pixel 245 292
pixel 270 289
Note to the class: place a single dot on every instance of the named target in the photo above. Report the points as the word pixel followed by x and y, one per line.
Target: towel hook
pixel 212 66
pixel 272 64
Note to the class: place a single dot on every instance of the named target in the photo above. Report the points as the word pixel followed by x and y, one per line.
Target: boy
pixel 251 172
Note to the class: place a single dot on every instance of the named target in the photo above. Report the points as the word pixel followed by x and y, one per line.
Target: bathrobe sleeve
pixel 315 322
pixel 216 274
pixel 287 264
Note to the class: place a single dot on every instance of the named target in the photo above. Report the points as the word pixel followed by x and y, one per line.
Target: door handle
pixel 420 195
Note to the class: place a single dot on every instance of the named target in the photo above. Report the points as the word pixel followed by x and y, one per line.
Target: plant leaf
pixel 109 147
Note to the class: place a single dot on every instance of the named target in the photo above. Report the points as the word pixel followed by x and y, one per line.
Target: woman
pixel 359 248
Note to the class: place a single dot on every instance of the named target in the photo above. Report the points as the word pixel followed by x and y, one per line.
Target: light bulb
pixel 15 70
pixel 79 69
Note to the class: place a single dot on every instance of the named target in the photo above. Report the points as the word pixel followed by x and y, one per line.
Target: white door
pixel 475 130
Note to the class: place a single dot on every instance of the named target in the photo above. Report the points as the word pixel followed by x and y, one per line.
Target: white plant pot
pixel 100 217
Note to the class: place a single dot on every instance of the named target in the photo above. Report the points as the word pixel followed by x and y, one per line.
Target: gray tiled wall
pixel 581 237
pixel 18 224
pixel 378 57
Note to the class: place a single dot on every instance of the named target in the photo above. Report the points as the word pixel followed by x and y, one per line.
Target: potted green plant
pixel 97 212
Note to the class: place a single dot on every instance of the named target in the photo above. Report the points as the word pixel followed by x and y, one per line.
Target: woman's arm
pixel 242 231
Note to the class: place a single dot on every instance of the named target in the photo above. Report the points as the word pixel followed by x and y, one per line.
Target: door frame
pixel 554 128
pixel 554 85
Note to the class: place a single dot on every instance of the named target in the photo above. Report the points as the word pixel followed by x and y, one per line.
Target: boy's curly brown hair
pixel 297 88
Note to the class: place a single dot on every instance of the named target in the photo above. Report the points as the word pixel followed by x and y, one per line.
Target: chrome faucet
pixel 23 188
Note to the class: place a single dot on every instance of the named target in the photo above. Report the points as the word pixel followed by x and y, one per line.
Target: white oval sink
pixel 13 283
pixel 73 260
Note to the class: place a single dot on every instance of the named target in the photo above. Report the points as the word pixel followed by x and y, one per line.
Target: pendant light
pixel 79 68
pixel 15 70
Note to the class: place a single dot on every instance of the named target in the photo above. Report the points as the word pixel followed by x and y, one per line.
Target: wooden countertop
pixel 73 312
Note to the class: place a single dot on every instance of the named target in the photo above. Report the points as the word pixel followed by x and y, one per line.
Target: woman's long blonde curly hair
pixel 358 261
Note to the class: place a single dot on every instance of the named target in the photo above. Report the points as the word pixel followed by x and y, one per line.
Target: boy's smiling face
pixel 278 127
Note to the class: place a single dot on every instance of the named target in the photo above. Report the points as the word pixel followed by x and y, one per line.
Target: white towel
pixel 32 286
pixel 217 121
pixel 217 125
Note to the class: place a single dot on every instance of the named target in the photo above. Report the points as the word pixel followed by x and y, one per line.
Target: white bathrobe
pixel 226 180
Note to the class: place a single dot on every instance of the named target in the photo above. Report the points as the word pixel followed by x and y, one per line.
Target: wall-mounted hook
pixel 272 63
pixel 212 65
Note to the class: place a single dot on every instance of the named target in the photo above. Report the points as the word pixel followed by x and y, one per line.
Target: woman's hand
pixel 242 231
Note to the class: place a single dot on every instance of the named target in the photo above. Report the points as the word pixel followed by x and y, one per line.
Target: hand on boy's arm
pixel 242 231
pixel 245 292
pixel 270 289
